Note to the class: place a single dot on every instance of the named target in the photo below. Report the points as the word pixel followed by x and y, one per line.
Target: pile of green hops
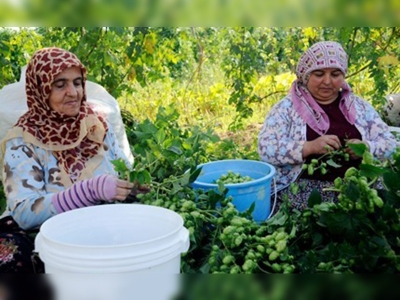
pixel 232 178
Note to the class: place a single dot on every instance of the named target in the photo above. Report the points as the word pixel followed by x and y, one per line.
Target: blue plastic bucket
pixel 244 194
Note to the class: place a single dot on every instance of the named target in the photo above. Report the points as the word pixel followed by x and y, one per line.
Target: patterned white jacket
pixel 281 139
pixel 30 178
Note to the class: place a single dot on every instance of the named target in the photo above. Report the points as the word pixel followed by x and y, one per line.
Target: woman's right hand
pixel 89 192
pixel 321 145
pixel 123 189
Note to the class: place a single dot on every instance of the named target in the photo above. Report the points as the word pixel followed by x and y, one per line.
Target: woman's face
pixel 67 92
pixel 324 84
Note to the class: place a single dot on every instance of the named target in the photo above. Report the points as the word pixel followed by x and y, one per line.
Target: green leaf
pixel 391 199
pixel 140 134
pixel 148 127
pixel 150 157
pixel 358 149
pixel 345 223
pixel 371 171
pixel 194 174
pixel 396 157
pixel 119 165
pixel 317 239
pixel 212 198
pixel 160 136
pixel 380 241
pixel 205 269
pixel 279 219
pixel 251 208
pixel 392 180
pixel 352 192
pixel 314 199
pixel 221 186
pixel 132 176
pixel 186 145
pixel 143 177
pixel 331 163
pixel 293 231
pixel 185 179
pixel 175 150
pixel 146 176
pixel 140 178
pixel 176 187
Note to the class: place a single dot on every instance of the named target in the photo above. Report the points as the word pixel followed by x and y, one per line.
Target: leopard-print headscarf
pixel 75 141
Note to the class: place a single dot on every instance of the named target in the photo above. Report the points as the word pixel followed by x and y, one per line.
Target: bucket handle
pixel 275 197
pixel 184 239
pixel 38 242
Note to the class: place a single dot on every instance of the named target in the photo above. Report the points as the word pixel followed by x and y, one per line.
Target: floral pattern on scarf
pixel 320 56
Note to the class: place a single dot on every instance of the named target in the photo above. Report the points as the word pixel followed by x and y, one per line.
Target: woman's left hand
pixel 350 151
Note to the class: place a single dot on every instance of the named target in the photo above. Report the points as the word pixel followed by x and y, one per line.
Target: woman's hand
pixel 89 192
pixel 136 190
pixel 321 145
pixel 350 151
pixel 123 189
pixel 140 189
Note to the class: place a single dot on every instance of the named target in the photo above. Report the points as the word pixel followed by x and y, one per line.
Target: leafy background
pixel 195 94
pixel 214 75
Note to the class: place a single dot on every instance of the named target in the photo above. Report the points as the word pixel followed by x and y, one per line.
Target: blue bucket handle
pixel 275 198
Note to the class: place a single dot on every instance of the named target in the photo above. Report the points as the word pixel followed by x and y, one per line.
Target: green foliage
pixel 166 148
pixel 138 176
pixel 187 63
pixel 358 234
pixel 222 239
pixel 115 56
pixel 2 198
pixel 373 56
pixel 220 68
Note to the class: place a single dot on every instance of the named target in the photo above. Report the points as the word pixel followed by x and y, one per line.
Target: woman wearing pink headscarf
pixel 319 114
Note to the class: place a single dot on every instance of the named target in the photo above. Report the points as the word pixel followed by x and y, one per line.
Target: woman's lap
pixel 16 249
pixel 299 199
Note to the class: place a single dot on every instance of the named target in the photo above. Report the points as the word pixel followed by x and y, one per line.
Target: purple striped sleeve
pixel 86 193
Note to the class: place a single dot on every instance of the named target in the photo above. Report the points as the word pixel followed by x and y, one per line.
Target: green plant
pixel 359 233
pixel 222 239
pixel 201 71
pixel 2 198
pixel 333 158
pixel 205 68
pixel 165 147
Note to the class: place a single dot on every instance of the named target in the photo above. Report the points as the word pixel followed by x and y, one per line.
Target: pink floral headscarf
pixel 327 54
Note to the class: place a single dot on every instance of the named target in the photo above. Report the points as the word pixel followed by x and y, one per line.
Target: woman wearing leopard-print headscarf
pixel 319 114
pixel 56 158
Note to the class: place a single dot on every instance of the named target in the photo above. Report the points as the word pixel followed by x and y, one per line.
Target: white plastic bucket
pixel 109 250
